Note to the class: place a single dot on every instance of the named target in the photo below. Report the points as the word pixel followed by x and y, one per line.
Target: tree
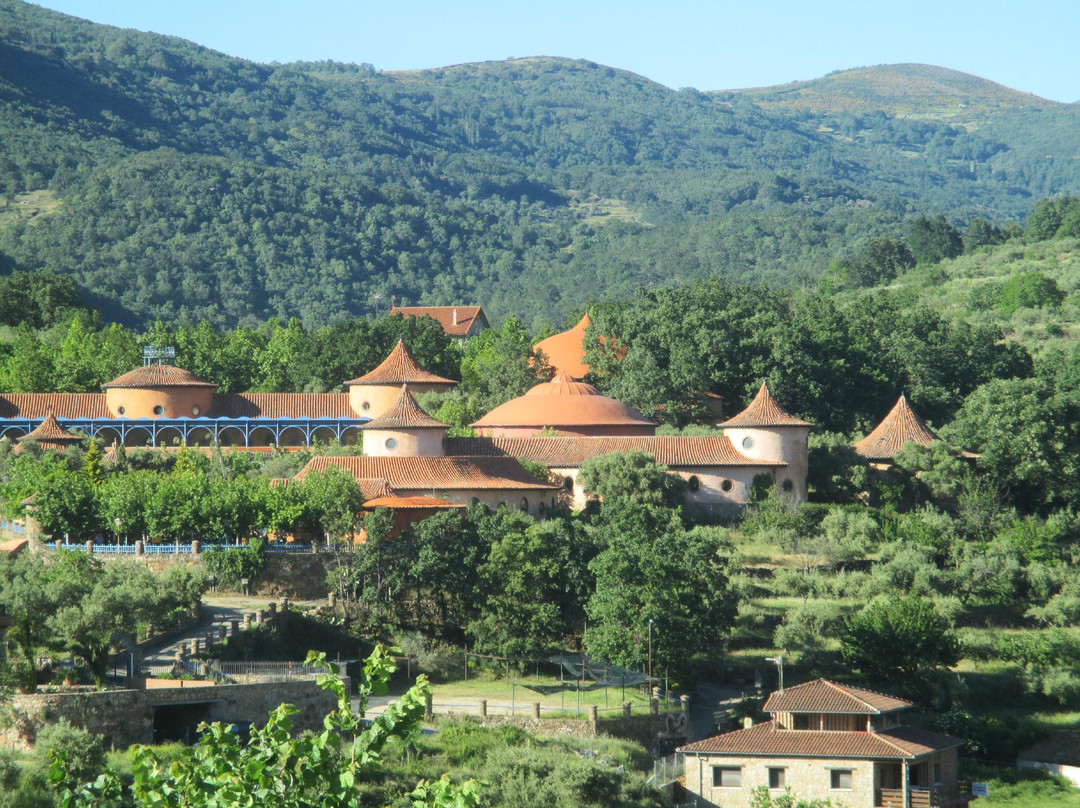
pixel 633 475
pixel 279 768
pixel 1055 217
pixel 898 639
pixel 335 499
pixel 652 569
pixel 499 364
pixel 1028 290
pixel 934 240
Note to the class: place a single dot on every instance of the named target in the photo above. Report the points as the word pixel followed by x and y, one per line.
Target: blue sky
pixel 1029 45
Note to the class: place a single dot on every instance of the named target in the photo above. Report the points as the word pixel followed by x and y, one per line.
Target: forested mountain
pixel 178 183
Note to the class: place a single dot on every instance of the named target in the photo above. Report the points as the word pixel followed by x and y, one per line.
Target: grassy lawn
pixel 501 693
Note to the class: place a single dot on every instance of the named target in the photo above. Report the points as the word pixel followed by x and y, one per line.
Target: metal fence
pixel 269 671
pixel 174 549
pixel 666 770
pixel 13 527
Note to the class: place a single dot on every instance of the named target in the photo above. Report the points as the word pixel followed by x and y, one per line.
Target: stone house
pixel 826 740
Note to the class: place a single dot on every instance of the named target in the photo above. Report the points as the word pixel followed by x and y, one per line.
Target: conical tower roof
pixel 158 376
pixel 764 411
pixel 900 426
pixel 399 368
pixel 50 431
pixel 404 413
pixel 566 351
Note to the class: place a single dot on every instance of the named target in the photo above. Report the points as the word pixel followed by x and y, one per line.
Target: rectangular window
pixel 776 778
pixel 727 777
pixel 801 721
pixel 841 779
pixel 937 774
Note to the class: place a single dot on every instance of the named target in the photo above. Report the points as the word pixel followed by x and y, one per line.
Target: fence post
pixel 89 548
pixel 594 714
pixel 247 620
pixel 138 547
pixel 627 708
pixel 196 547
pixel 536 709
pixel 235 626
pixel 684 702
pixel 428 706
pixel 483 707
pixel 331 600
pixel 59 544
pixel 258 617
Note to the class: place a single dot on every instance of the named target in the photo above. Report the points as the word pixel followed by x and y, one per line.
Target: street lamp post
pixel 650 651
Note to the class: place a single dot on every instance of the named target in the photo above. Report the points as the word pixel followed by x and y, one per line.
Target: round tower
pixel 159 391
pixel 765 431
pixel 375 393
pixel 404 430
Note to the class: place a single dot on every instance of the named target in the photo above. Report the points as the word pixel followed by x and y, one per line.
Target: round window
pixel 693 483
pixel 525 503
pixel 788 486
pixel 120 410
pixel 726 486
pixel 159 410
pixel 366 405
pixel 196 410
pixel 568 483
pixel 748 442
pixel 391 444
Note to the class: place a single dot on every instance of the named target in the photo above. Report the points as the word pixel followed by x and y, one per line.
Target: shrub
pixel 81 751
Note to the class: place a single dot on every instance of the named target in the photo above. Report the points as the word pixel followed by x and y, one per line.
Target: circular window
pixel 391 444
pixel 196 410
pixel 693 483
pixel 120 410
pixel 525 503
pixel 366 405
pixel 159 410
pixel 748 442
pixel 568 483
pixel 788 486
pixel 726 486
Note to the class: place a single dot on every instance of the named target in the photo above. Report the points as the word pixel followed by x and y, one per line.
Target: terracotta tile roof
pixel 455 320
pixel 824 696
pixel 399 368
pixel 764 411
pixel 282 405
pixel 158 376
pixel 63 405
pixel 434 473
pixel 409 503
pixel 765 740
pixel 566 351
pixel 11 548
pixel 404 413
pixel 563 401
pixel 673 452
pixel 50 431
pixel 374 488
pixel 901 425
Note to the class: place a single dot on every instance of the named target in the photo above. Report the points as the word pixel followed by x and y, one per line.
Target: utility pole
pixel 650 653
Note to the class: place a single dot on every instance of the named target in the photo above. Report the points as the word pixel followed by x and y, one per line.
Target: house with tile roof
pixel 826 740
pixel 461 322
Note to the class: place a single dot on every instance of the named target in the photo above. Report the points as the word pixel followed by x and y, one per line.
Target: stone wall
pixel 126 717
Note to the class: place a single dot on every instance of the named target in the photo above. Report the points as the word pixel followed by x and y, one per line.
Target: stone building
pixel 828 741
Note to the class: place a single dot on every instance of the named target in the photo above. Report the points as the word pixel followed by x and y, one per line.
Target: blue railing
pixel 175 549
pixel 12 527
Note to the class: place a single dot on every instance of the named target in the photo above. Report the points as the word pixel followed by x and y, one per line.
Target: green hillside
pixel 174 182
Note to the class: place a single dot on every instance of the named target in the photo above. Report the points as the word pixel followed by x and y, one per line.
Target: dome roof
pixel 399 368
pixel 900 426
pixel 566 351
pixel 158 376
pixel 404 413
pixel 764 411
pixel 563 402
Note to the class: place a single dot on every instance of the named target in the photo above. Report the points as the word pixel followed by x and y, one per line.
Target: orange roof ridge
pixel 825 696
pixel 900 426
pixel 158 376
pixel 50 430
pixel 455 320
pixel 764 411
pixel 404 413
pixel 399 368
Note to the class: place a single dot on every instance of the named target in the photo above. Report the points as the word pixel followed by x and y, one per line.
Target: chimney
pixel 747 722
pixel 455 316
